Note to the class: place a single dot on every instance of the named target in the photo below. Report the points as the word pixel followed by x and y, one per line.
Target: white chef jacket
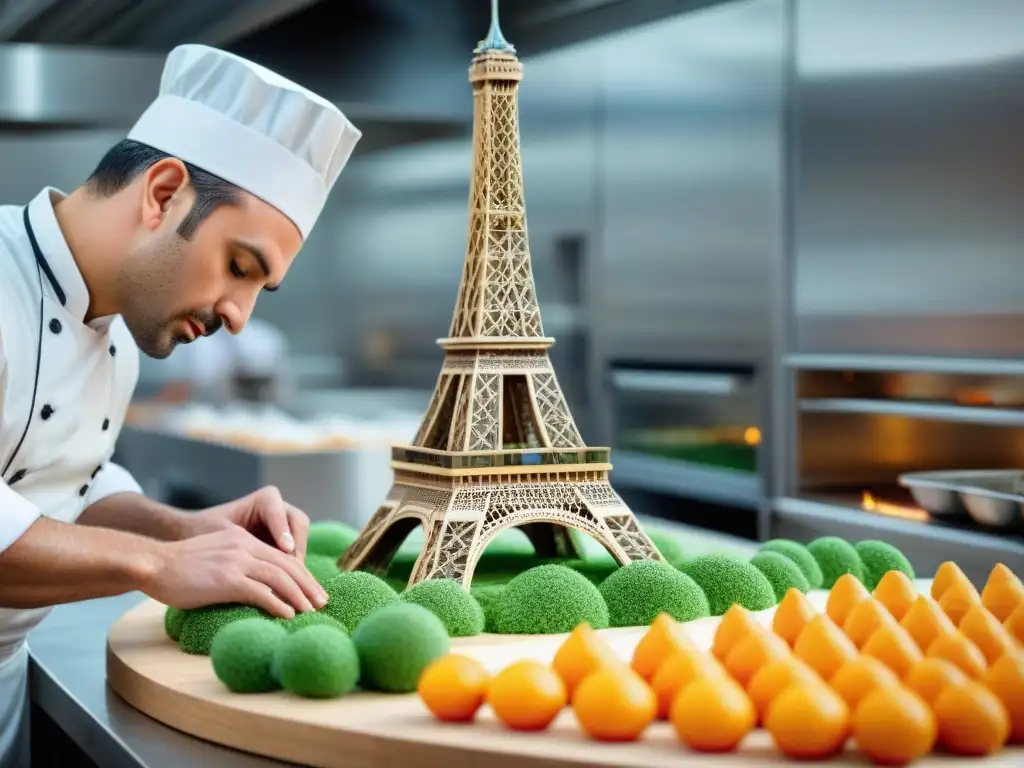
pixel 65 386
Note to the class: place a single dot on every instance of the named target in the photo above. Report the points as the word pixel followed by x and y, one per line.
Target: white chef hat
pixel 250 126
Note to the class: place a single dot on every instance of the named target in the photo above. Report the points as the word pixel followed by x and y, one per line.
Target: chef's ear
pixel 163 185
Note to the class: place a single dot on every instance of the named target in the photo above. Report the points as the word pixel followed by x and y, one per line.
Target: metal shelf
pixel 1005 417
pixel 711 484
pixel 905 363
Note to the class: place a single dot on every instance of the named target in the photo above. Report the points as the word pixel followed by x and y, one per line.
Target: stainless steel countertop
pixel 68 680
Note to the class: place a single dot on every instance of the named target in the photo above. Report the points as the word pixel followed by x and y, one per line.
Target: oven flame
pixel 752 436
pixel 871 504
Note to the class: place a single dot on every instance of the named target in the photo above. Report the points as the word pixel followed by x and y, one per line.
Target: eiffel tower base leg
pixel 460 524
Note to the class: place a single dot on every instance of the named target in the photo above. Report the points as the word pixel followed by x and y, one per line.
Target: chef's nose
pixel 232 316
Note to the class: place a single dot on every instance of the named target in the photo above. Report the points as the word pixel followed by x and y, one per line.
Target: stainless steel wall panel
pixel 909 193
pixel 692 185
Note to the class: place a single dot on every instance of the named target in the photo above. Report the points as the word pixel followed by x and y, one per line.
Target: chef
pixel 204 205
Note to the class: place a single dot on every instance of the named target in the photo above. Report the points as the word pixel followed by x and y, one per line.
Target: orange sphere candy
pixel 824 646
pixel 736 623
pixel 896 592
pixel 961 652
pixel 982 628
pixel 665 637
pixel 925 621
pixel 808 722
pixel 527 695
pixel 712 714
pixel 583 652
pixel 931 676
pixel 774 677
pixel 1005 679
pixel 864 619
pixel 847 592
pixel 453 687
pixel 957 601
pixel 1003 592
pixel 972 720
pixel 614 704
pixel 948 574
pixel 858 677
pixel 893 726
pixel 753 652
pixel 792 615
pixel 678 671
pixel 893 646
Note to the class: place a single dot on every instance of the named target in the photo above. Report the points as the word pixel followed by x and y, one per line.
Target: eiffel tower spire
pixel 497 446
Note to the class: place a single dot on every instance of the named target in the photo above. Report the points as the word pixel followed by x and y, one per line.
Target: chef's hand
pixel 231 566
pixel 267 516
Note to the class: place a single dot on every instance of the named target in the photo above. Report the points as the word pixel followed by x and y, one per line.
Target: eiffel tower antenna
pixel 497 447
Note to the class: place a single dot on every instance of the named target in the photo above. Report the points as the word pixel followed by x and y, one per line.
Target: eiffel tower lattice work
pixel 498 447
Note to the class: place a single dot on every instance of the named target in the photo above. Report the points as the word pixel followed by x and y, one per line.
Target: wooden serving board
pixel 152 674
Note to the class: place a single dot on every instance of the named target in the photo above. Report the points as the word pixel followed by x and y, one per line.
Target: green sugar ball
pixel 174 620
pixel 457 609
pixel 880 557
pixel 396 643
pixel 638 592
pixel 726 579
pixel 549 599
pixel 669 547
pixel 329 538
pixel 323 567
pixel 800 555
pixel 242 655
pixel 202 624
pixel 353 595
pixel 317 662
pixel 781 572
pixel 488 595
pixel 302 620
pixel 835 557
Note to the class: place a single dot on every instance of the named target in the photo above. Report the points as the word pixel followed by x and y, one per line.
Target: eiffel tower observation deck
pixel 498 446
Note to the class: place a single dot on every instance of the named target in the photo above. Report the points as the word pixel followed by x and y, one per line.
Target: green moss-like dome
pixel 242 655
pixel 638 592
pixel 781 572
pixel 353 595
pixel 396 643
pixel 880 557
pixel 329 538
pixel 488 595
pixel 800 555
pixel 323 567
pixel 457 609
pixel 174 620
pixel 669 547
pixel 202 624
pixel 835 557
pixel 302 620
pixel 317 662
pixel 726 579
pixel 549 599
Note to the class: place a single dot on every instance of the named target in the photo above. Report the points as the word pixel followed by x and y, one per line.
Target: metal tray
pixel 993 498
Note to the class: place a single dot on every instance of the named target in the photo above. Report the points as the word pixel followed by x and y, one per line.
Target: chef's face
pixel 177 289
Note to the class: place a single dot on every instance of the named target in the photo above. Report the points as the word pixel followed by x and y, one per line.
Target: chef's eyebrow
pixel 261 259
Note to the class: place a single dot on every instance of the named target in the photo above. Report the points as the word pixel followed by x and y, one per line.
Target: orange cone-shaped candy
pixel 925 621
pixel 665 637
pixel 947 575
pixel 792 615
pixel 896 592
pixel 864 619
pixel 1003 592
pixel 846 593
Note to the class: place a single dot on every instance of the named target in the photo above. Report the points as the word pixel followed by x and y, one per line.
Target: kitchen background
pixel 780 242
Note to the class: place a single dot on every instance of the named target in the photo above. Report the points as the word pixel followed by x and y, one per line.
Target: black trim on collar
pixel 41 261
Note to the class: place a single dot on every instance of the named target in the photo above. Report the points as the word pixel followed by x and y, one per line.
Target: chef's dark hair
pixel 127 159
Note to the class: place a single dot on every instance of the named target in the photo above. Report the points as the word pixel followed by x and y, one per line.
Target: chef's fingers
pixel 271 510
pixel 294 568
pixel 258 594
pixel 298 522
pixel 281 582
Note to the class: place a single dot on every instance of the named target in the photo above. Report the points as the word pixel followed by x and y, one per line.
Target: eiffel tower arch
pixel 497 446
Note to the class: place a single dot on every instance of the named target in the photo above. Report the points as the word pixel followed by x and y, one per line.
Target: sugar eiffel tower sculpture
pixel 497 447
